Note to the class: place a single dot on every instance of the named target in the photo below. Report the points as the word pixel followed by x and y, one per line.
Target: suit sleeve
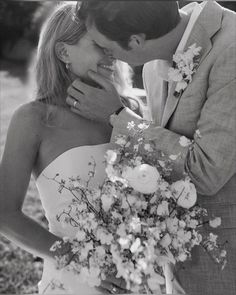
pixel 210 159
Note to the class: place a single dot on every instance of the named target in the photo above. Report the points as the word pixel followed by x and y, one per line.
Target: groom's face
pixel 132 56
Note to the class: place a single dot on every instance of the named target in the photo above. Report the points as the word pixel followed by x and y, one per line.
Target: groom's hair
pixel 118 20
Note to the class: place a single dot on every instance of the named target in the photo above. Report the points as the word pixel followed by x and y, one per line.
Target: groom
pixel 202 107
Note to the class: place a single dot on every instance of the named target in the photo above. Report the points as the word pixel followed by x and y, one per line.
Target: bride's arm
pixel 21 148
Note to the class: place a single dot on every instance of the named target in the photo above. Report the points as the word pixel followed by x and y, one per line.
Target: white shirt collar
pixel 163 66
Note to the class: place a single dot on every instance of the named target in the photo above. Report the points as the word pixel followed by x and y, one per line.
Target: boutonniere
pixel 184 66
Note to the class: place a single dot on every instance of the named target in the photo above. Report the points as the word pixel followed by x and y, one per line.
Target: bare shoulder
pixel 27 121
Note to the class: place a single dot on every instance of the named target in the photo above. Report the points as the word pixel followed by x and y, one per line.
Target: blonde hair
pixel 52 77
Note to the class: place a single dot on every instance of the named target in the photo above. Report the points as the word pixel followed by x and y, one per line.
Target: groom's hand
pixel 91 102
pixel 113 285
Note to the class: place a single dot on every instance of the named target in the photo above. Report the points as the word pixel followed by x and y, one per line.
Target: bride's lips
pixel 107 68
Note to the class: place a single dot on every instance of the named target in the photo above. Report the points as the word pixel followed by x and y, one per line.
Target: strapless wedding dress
pixel 71 163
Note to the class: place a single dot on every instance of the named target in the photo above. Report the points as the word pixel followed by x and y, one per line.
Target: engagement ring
pixel 75 102
pixel 113 290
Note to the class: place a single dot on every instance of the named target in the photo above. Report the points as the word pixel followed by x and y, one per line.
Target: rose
pixel 142 178
pixel 185 193
pixel 215 222
pixel 111 157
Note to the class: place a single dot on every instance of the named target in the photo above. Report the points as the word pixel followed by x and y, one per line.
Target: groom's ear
pixel 61 52
pixel 136 41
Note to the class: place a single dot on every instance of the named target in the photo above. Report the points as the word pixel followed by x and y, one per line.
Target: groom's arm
pixel 210 159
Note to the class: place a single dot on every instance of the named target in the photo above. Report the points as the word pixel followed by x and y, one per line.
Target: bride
pixel 45 138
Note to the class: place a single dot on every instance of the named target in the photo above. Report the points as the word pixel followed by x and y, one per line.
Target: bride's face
pixel 87 55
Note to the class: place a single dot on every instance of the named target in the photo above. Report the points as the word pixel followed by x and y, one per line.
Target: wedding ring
pixel 113 290
pixel 74 104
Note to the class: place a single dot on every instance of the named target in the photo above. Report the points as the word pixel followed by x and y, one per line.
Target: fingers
pixel 80 86
pixel 110 288
pixel 75 93
pixel 117 281
pixel 100 80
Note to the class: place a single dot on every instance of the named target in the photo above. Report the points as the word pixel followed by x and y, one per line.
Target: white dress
pixel 71 163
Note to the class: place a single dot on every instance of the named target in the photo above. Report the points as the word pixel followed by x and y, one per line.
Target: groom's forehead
pixel 98 37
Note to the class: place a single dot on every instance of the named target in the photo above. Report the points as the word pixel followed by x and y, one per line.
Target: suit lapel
pixel 207 24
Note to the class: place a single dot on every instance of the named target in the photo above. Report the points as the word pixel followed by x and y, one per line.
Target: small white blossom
pixel 111 156
pixel 143 125
pixel 147 147
pixel 136 245
pixel 104 237
pixel 80 235
pixel 121 140
pixel 174 157
pixel 155 281
pixel 198 134
pixel 163 208
pixel 184 141
pixel 215 222
pixel 130 125
pixel 165 241
pixel 124 242
pixel 185 193
pixel 107 201
pixel 184 68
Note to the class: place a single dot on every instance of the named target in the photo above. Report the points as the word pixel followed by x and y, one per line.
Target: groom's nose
pixel 108 53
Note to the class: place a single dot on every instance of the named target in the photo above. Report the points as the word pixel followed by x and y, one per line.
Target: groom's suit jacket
pixel 208 104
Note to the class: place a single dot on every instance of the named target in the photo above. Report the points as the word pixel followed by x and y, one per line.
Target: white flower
pixel 181 85
pixel 135 246
pixel 194 49
pixel 174 75
pixel 163 208
pixel 198 133
pixel 147 147
pixel 121 230
pixel 182 256
pixel 104 237
pixel 172 224
pixel 174 157
pixel 184 141
pixel 111 156
pixel 124 242
pixel 130 125
pixel 213 238
pixel 155 281
pixel 80 235
pixel 184 68
pixel 215 222
pixel 143 125
pixel 142 178
pixel 135 224
pixel 121 140
pixel 185 193
pixel 165 241
pixel 107 201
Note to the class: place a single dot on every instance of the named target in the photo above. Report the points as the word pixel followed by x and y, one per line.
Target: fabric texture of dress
pixel 71 163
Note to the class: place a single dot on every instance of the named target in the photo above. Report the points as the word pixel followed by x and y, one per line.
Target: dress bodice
pixel 71 163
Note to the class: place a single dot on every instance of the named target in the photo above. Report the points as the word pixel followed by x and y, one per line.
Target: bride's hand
pixel 113 285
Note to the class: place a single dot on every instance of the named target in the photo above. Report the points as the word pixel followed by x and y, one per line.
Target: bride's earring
pixel 68 66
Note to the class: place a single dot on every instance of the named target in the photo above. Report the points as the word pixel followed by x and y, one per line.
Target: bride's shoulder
pixel 29 118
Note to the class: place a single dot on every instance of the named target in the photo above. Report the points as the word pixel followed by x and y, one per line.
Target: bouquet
pixel 137 221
